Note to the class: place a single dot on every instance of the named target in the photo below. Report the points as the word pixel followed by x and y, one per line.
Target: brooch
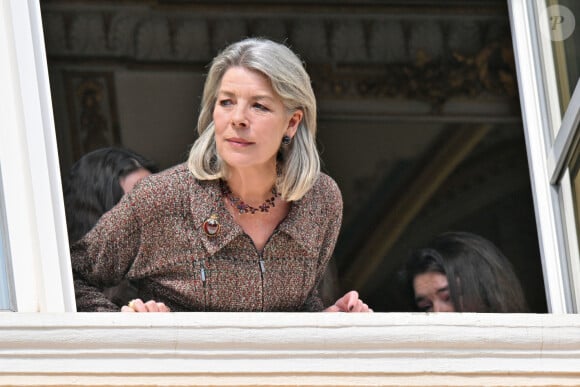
pixel 211 226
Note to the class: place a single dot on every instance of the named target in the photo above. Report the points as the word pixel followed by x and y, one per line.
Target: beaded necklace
pixel 244 208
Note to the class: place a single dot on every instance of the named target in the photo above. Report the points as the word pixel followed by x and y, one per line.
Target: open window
pixel 419 119
pixel 559 46
pixel 39 163
pixel 257 349
pixel 429 142
pixel 546 40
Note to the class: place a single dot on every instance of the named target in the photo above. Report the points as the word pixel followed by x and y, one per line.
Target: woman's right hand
pixel 349 303
pixel 137 305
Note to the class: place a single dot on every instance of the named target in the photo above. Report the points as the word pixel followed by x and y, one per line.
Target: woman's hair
pixel 92 186
pixel 480 277
pixel 298 163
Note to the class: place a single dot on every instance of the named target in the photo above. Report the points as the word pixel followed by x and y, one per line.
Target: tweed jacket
pixel 155 238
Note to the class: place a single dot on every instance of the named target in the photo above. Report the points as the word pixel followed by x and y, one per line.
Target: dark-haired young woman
pixel 96 182
pixel 94 185
pixel 463 272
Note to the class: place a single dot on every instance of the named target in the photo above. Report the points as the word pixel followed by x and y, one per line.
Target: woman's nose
pixel 441 306
pixel 239 118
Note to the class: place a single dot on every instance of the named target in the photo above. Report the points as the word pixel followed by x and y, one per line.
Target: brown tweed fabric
pixel 155 238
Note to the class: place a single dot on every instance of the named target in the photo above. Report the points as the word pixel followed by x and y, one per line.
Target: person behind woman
pixel 249 222
pixel 94 185
pixel 463 272
pixel 96 182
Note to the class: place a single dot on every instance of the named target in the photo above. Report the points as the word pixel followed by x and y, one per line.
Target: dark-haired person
pixel 463 272
pixel 249 223
pixel 94 185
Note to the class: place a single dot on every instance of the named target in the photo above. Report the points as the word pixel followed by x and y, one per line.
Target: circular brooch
pixel 211 226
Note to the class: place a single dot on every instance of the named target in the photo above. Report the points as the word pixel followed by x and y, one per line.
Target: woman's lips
pixel 239 141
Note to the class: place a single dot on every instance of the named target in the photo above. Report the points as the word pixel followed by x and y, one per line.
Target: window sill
pixel 288 349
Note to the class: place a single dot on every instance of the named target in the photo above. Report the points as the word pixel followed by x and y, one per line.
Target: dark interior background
pixel 419 119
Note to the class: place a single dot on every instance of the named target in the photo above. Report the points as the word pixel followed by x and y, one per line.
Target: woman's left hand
pixel 137 305
pixel 349 303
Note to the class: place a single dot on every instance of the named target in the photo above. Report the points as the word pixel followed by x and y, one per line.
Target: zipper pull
pixel 262 266
pixel 202 272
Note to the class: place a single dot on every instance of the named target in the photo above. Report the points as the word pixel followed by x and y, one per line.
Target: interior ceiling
pixel 437 76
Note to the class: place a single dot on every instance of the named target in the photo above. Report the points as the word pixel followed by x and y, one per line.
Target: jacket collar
pixel 206 200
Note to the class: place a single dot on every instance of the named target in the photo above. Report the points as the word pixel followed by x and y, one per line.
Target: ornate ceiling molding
pixel 422 56
pixel 149 34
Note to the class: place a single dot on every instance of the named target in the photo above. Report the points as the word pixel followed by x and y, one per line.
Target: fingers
pixel 163 308
pixel 356 306
pixel 349 303
pixel 137 305
pixel 332 308
pixel 346 302
pixel 353 302
pixel 360 307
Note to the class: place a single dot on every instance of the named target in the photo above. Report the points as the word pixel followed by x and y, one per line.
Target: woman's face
pixel 432 292
pixel 128 181
pixel 250 120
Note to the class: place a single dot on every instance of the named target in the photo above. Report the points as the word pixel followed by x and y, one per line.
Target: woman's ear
pixel 293 122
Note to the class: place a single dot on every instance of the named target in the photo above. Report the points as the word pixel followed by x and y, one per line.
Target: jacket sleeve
pixel 90 298
pixel 333 215
pixel 104 256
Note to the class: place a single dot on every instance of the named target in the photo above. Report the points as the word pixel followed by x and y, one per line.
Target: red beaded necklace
pixel 244 208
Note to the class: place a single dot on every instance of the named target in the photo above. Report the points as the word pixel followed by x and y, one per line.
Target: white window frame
pixel 549 138
pixel 217 348
pixel 545 138
pixel 34 209
pixel 7 301
pixel 559 159
pixel 305 349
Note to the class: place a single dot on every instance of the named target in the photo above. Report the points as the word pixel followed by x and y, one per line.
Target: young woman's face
pixel 432 292
pixel 250 120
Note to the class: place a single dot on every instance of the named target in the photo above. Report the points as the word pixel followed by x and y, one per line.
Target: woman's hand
pixel 349 303
pixel 137 305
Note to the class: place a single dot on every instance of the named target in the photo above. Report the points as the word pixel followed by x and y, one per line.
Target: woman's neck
pixel 252 187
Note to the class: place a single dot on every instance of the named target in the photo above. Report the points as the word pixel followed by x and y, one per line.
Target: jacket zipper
pixel 262 271
pixel 202 276
pixel 262 265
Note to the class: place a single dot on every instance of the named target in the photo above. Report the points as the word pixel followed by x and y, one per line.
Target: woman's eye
pixel 225 102
pixel 425 307
pixel 261 107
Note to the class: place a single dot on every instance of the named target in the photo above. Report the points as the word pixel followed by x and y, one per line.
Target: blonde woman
pixel 248 223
